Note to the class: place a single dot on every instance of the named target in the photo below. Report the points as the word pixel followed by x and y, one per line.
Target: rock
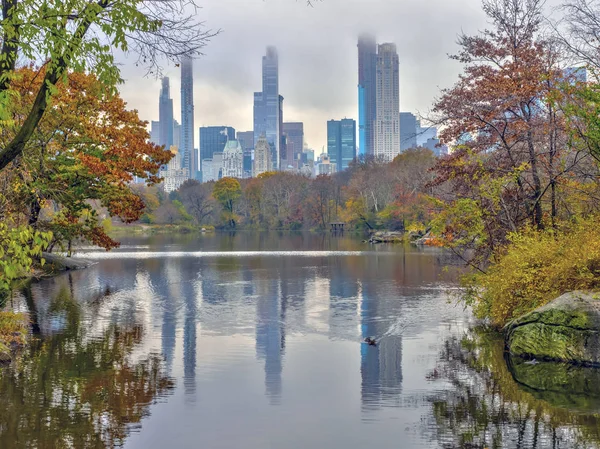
pixel 423 240
pixel 386 237
pixel 566 329
pixel 61 263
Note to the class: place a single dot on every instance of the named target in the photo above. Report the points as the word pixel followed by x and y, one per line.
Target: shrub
pixel 534 268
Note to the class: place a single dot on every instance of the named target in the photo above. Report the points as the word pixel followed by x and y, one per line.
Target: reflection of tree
pixel 487 408
pixel 76 391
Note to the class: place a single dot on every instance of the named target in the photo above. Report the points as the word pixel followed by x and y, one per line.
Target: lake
pixel 255 340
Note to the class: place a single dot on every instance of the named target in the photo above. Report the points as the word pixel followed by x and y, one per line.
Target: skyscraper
pixel 367 92
pixel 165 114
pixel 187 117
pixel 268 106
pixel 341 142
pixel 155 132
pixel 212 140
pixel 409 129
pixel 294 132
pixel 233 160
pixel 246 139
pixel 262 157
pixel 387 120
pixel 176 134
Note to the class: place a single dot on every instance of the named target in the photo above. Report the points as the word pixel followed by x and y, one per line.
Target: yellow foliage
pixel 535 268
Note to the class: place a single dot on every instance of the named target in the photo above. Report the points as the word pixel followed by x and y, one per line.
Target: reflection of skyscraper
pixel 381 365
pixel 269 338
pixel 343 301
pixel 190 294
pixel 172 276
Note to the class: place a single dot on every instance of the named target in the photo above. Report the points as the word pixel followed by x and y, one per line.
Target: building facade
pixel 436 147
pixel 268 106
pixel 324 166
pixel 294 133
pixel 341 142
pixel 212 168
pixel 213 140
pixel 155 132
pixel 387 122
pixel 165 115
pixel 409 126
pixel 174 175
pixel 424 133
pixel 233 160
pixel 262 157
pixel 187 117
pixel 246 139
pixel 176 134
pixel 367 92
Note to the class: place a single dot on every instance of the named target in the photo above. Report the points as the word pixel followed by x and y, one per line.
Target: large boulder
pixel 566 329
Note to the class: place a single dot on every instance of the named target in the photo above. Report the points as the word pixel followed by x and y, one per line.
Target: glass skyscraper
pixel 165 115
pixel 408 131
pixel 213 140
pixel 341 142
pixel 268 106
pixel 367 92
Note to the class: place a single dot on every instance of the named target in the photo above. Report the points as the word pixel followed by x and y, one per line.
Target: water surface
pixel 254 340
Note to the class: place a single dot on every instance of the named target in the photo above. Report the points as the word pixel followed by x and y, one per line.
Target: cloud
pixel 317 58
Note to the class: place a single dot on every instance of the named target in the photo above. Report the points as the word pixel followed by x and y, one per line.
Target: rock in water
pixel 566 329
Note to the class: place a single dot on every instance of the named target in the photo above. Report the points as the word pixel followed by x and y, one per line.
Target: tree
pixel 87 147
pixel 227 191
pixel 197 199
pixel 510 147
pixel 168 213
pixel 78 35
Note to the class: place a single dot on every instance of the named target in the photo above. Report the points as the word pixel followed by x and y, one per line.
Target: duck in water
pixel 370 341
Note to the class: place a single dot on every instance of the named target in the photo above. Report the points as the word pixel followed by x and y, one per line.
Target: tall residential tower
pixel 187 117
pixel 165 115
pixel 387 119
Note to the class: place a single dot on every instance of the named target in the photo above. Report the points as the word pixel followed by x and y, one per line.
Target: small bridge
pixel 337 226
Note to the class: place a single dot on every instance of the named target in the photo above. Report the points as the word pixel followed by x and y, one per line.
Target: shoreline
pixel 15 329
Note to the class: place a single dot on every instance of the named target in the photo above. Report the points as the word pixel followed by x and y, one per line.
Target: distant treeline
pixel 370 194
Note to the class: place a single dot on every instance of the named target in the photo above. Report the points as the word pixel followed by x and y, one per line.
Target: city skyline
pixel 319 81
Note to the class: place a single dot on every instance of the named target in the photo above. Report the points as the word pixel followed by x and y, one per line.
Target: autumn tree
pixel 227 191
pixel 79 36
pixel 87 148
pixel 510 145
pixel 197 199
pixel 320 204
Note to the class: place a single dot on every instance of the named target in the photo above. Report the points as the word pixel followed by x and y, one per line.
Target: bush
pixel 535 268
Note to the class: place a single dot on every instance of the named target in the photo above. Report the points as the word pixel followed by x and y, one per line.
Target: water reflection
pixel 260 332
pixel 488 407
pixel 78 388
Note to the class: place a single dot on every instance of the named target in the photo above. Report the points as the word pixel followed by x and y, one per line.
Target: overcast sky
pixel 318 61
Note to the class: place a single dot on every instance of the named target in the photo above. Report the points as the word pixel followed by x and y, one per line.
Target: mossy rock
pixel 566 329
